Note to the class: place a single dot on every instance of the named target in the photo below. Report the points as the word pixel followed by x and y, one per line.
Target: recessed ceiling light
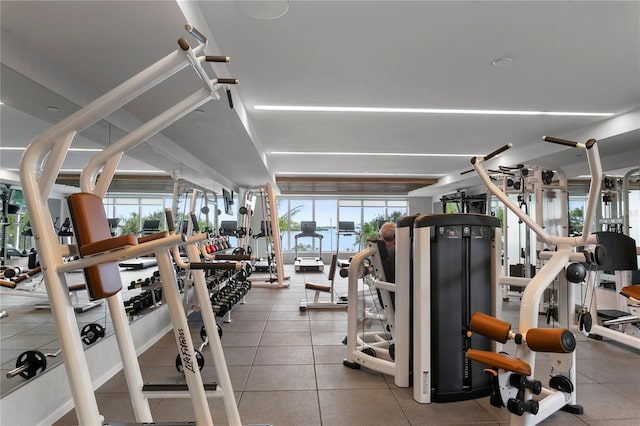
pixel 502 62
pixel 263 10
pixel 199 111
pixel 53 109
pixel 309 108
pixel 372 154
pixel 357 174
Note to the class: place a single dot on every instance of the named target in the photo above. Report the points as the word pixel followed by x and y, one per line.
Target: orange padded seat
pixel 502 361
pixel 93 235
pixel 631 291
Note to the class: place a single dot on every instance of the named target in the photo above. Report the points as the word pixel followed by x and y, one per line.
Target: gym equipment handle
pixel 27 274
pixel 210 58
pixel 234 257
pixel 184 44
pixel 497 151
pixel 589 144
pixel 228 81
pixel 560 141
pixel 170 225
pixel 194 221
pixel 18 370
pixel 214 265
pixel 490 155
pixel 194 32
pixel 229 98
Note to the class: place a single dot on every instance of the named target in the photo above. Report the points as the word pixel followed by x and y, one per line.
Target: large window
pixel 132 212
pixel 327 213
pixel 326 220
pixel 366 215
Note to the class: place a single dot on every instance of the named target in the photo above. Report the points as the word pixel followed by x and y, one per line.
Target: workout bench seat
pixel 631 291
pixel 322 287
pixel 318 287
pixel 502 361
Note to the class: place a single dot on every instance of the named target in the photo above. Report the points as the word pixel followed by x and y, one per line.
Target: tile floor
pixel 286 369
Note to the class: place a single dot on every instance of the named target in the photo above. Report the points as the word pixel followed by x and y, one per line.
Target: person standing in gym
pixel 388 234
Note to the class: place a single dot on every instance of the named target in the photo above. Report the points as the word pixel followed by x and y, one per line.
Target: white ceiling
pixel 566 56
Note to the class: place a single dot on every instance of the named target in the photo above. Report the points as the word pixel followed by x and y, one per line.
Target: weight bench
pixel 322 288
pixel 94 238
pixel 77 307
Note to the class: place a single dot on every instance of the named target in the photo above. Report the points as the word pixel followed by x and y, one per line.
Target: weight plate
pixel 91 333
pixel 36 362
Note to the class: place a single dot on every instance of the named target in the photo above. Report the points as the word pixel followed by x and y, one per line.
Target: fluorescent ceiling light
pixel 373 154
pixel 319 174
pixel 157 172
pixel 306 108
pixel 118 171
pixel 22 148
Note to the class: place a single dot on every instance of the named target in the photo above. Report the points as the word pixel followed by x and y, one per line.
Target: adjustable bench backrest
pixel 332 268
pixel 91 225
pixel 387 263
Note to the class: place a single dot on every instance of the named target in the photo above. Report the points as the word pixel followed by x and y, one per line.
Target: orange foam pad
pixel 556 340
pixel 490 327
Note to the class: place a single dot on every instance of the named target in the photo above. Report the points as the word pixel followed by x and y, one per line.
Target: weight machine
pixel 513 377
pixel 610 212
pixel 99 252
pixel 542 194
pixel 274 260
pixel 619 319
pixel 376 349
pixel 614 312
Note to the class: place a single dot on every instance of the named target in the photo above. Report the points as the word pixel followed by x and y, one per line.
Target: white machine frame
pixel 551 400
pixel 41 164
pixel 371 349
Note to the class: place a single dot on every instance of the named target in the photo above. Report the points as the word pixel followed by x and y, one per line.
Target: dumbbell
pixel 12 272
pixel 220 310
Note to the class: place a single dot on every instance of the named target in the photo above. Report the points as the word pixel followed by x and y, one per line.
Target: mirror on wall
pixel 27 330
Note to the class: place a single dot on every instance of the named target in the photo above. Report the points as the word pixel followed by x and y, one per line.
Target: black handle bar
pixel 194 221
pixel 566 142
pixel 170 225
pixel 492 154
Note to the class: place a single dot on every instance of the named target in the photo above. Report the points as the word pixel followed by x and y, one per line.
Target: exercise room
pixel 298 213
